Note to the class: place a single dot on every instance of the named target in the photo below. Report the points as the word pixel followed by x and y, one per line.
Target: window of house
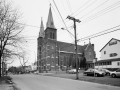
pixel 112 43
pixel 105 63
pixel 100 63
pixel 48 47
pixel 52 47
pixel 109 63
pixel 104 52
pixel 113 54
pixel 118 63
pixel 52 56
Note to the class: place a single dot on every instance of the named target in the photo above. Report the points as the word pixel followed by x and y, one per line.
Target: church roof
pixel 68 47
pixel 41 33
pixel 50 22
pixel 88 45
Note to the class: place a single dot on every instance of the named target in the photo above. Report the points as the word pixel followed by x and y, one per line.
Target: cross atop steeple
pixel 50 22
pixel 41 33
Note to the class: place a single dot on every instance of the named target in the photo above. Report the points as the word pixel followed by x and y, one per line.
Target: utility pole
pixel 55 57
pixel 59 58
pixel 36 62
pixel 75 20
pixel 46 58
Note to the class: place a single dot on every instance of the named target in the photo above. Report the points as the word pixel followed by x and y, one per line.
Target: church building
pixel 56 55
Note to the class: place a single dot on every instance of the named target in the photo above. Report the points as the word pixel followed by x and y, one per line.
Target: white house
pixel 110 55
pixel 111 50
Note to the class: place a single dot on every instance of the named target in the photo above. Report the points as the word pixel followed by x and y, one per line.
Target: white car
pixel 115 73
pixel 72 71
pixel 36 72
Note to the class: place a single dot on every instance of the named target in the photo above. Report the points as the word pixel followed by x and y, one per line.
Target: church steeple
pixel 41 33
pixel 50 22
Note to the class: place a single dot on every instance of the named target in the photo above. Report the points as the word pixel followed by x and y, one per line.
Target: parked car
pixel 72 71
pixel 36 72
pixel 115 73
pixel 93 72
pixel 106 71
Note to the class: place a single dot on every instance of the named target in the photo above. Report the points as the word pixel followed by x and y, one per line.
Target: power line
pixel 28 25
pixel 100 32
pixel 85 8
pixel 62 18
pixel 76 11
pixel 95 35
pixel 94 9
pixel 102 12
pixel 80 7
pixel 31 25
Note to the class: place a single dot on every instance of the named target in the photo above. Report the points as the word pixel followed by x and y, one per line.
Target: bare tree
pixel 10 30
pixel 23 59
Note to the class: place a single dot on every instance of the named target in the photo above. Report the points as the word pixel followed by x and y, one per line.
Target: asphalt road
pixel 39 82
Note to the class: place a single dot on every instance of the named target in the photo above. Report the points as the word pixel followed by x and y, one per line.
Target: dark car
pixel 106 71
pixel 94 72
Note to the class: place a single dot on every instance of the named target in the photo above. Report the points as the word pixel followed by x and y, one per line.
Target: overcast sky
pixel 95 16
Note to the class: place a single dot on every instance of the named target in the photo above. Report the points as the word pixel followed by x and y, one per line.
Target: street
pixel 39 82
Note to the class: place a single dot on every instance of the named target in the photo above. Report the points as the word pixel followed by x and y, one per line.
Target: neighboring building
pixel 28 68
pixel 110 55
pixel 53 54
pixel 111 50
pixel 33 67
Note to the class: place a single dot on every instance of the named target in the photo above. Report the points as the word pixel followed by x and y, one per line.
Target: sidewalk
pixel 51 73
pixel 6 87
pixel 5 83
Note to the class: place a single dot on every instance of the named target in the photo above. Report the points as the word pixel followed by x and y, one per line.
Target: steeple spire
pixel 41 33
pixel 50 22
pixel 89 44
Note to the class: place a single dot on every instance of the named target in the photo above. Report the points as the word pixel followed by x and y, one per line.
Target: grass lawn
pixel 102 80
